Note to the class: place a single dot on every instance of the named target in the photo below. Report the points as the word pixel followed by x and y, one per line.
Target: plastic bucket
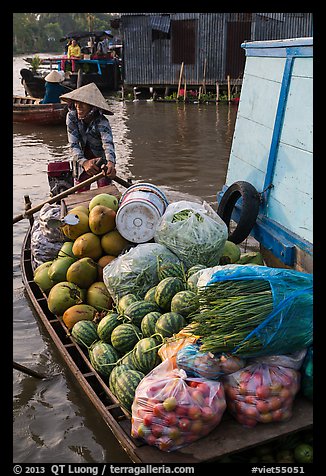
pixel 140 209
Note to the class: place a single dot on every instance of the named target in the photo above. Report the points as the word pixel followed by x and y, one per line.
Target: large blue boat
pixel 269 181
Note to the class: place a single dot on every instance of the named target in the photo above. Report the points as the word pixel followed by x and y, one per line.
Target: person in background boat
pixel 73 53
pixel 89 134
pixel 53 87
pixel 103 47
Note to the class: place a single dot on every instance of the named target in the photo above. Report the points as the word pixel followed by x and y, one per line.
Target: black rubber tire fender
pixel 249 210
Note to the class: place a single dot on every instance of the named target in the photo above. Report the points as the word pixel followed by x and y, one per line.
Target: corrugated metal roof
pixel 161 23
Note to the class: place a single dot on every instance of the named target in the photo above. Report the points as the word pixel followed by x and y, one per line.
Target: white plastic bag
pixel 136 271
pixel 193 231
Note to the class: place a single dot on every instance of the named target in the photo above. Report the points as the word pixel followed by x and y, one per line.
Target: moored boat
pixel 28 109
pixel 227 438
pixel 269 180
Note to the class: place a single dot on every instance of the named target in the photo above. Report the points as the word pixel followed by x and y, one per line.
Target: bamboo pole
pixel 28 371
pixel 185 91
pixel 67 192
pixel 229 89
pixel 204 76
pixel 180 77
pixel 217 91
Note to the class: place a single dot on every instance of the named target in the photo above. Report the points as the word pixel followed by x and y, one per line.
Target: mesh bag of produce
pixel 307 374
pixel 45 241
pixel 135 272
pixel 171 410
pixel 261 393
pixel 193 231
pixel 253 310
pixel 205 364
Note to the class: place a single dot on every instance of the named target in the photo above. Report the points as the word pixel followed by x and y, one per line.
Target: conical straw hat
pixel 54 77
pixel 89 94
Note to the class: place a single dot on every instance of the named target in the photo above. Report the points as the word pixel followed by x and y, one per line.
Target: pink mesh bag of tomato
pixel 171 410
pixel 261 393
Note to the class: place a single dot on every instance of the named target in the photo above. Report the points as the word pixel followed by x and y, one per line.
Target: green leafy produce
pixel 135 272
pixel 193 231
pixel 254 310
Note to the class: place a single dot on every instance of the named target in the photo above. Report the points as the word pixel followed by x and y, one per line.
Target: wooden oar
pixel 28 371
pixel 67 192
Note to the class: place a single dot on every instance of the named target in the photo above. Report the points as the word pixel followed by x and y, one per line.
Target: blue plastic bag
pixel 307 374
pixel 205 364
pixel 289 327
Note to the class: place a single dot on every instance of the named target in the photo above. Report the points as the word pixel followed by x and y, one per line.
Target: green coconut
pixel 42 279
pixel 62 296
pixel 58 269
pixel 231 253
pixel 99 297
pixel 66 250
pixel 82 272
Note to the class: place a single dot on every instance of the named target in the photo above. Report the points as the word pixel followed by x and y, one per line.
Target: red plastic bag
pixel 261 393
pixel 171 410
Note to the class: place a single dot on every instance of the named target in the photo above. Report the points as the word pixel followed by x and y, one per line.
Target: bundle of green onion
pixel 229 311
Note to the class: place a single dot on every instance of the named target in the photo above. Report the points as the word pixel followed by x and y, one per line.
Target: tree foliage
pixel 41 32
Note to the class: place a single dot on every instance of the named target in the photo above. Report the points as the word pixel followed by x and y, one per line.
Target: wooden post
pixel 28 205
pixel 217 91
pixel 204 76
pixel 229 89
pixel 79 78
pixel 180 77
pixel 199 93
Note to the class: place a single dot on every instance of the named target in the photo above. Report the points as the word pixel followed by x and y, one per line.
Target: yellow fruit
pixel 80 208
pixel 73 231
pixel 113 243
pixel 105 199
pixel 101 220
pixel 102 262
pixel 87 245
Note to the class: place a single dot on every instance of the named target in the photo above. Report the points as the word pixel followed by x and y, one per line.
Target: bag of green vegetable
pixel 307 374
pixel 193 231
pixel 261 393
pixel 255 310
pixel 205 364
pixel 135 272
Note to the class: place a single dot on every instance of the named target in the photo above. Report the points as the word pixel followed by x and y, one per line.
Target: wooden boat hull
pixel 28 110
pixel 227 438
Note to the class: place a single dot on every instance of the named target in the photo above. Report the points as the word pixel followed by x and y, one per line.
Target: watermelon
pixel 84 332
pixel 106 326
pixel 137 310
pixel 150 295
pixel 144 355
pixel 116 371
pixel 124 337
pixel 165 290
pixel 127 360
pixel 103 357
pixel 125 387
pixel 194 269
pixel 166 270
pixel 148 322
pixel 124 302
pixel 170 323
pixel 185 302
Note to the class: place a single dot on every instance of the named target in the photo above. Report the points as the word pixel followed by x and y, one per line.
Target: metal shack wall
pixel 148 62
pixel 218 40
